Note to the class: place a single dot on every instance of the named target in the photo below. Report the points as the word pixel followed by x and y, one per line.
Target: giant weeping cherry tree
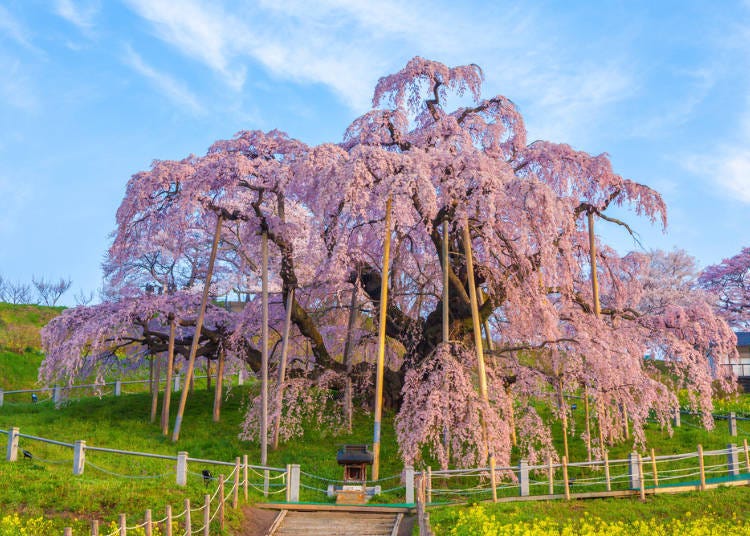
pixel 529 208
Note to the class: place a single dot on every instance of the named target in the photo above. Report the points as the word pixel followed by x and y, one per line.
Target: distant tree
pixel 50 292
pixel 82 298
pixel 17 292
pixel 730 281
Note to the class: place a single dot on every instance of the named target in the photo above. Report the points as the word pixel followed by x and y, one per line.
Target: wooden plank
pixel 313 507
pixel 276 523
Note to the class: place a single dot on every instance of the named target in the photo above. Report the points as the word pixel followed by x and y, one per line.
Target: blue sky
pixel 92 91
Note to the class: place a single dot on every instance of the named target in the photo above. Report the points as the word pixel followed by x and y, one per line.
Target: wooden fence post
pixel 653 468
pixel 676 420
pixel 118 387
pixel 188 520
pixel 245 482
pixel 236 488
pixel 747 455
pixel 182 468
pixel 221 502
pixel 523 478
pixel 293 482
pixel 633 470
pixel 733 461
pixel 67 531
pixel 79 457
pixel 428 485
pixel 2 396
pixel 566 482
pixel 423 518
pixel 550 475
pixel 732 424
pixel 176 386
pixel 409 484
pixel 148 524
pixel 56 395
pixel 702 467
pixel 123 526
pixel 606 471
pixel 493 480
pixel 168 521
pixel 642 479
pixel 12 452
pixel 206 515
pixel 94 527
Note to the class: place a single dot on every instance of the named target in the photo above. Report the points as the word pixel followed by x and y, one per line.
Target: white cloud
pixel 173 89
pixel 202 32
pixel 13 29
pixel 81 15
pixel 16 88
pixel 346 46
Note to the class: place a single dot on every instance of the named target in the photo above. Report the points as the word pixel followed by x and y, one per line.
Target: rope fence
pixel 57 393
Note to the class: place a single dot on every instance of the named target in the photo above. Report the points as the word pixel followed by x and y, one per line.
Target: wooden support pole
pixel 168 521
pixel 702 467
pixel 264 352
pixel 282 367
pixel 747 454
pixel 592 260
pixel 123 526
pixel 236 486
pixel 566 481
pixel 206 515
pixel 155 387
pixel 476 324
pixel 428 485
pixel 625 419
pixel 493 478
pixel 446 283
pixel 563 417
pixel 641 478
pixel 68 531
pixel 218 393
pixel 168 385
pixel 188 518
pixel 148 524
pixel 245 481
pixel 196 335
pixel 606 472
pixel 653 468
pixel 221 502
pixel 380 369
pixel 348 351
pixel 588 422
pixel 550 475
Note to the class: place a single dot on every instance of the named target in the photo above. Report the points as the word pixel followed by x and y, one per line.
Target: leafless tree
pixel 50 292
pixel 17 292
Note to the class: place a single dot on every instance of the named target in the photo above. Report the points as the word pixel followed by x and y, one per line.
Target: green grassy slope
pixel 20 343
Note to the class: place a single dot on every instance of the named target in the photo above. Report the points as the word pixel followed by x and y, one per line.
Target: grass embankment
pixel 45 486
pixel 20 343
pixel 112 483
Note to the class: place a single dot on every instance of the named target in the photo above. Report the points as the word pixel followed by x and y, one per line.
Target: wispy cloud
pixel 13 29
pixel 347 45
pixel 80 14
pixel 176 91
pixel 16 88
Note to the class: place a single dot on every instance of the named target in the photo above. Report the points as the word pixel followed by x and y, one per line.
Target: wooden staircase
pixel 335 523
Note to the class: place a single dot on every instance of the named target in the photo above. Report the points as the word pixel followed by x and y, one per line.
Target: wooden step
pixel 336 524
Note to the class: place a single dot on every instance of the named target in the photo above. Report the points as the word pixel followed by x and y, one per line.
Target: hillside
pixel 20 343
